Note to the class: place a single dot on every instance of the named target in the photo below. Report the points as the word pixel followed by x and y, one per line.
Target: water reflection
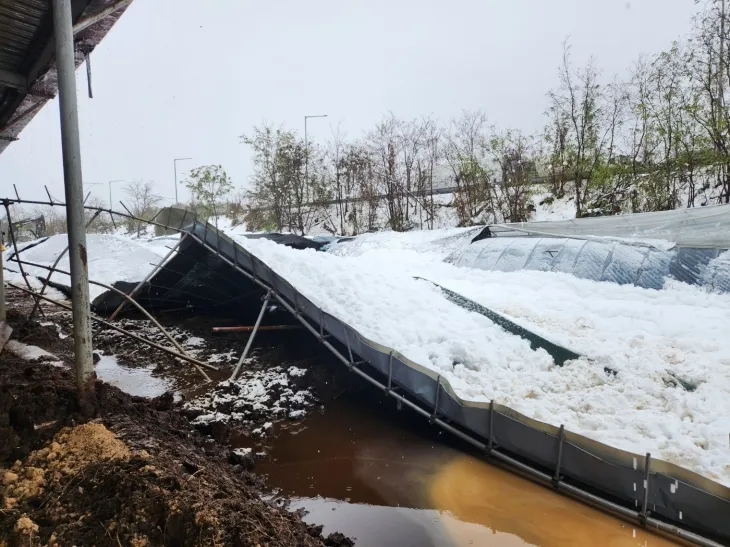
pixel 381 526
pixel 133 380
pixel 387 479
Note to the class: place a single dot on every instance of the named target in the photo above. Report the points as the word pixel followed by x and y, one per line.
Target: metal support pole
pixel 174 161
pixel 108 210
pixel 436 402
pixel 73 184
pixel 147 277
pixel 136 305
pixel 3 314
pixel 249 343
pixel 390 373
pixel 306 145
pixel 268 328
pixel 644 506
pixel 87 59
pixel 122 331
pixel 349 349
pixel 490 442
pixel 561 437
pixel 11 230
pixel 306 153
pixel 50 272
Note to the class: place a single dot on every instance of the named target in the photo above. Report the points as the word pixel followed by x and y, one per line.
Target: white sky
pixel 177 78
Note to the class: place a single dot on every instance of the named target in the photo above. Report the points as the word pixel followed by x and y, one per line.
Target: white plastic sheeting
pixel 707 227
pixel 601 260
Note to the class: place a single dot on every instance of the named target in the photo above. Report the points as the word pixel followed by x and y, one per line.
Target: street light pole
pixel 110 192
pixel 175 164
pixel 306 145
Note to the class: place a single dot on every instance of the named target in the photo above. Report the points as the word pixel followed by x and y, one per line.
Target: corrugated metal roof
pixel 20 22
pixel 27 63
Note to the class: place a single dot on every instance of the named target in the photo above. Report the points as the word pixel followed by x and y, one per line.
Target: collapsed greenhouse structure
pixel 647 251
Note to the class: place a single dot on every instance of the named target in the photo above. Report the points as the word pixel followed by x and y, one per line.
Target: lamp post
pixel 175 164
pixel 110 192
pixel 306 144
pixel 86 185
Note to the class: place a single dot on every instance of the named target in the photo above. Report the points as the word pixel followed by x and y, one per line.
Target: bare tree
pixel 577 100
pixel 515 154
pixel 386 144
pixel 466 155
pixel 142 202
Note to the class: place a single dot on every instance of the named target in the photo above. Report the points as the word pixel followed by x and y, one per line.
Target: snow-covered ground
pixel 267 393
pixel 659 342
pixel 111 258
pixel 549 208
pixel 671 392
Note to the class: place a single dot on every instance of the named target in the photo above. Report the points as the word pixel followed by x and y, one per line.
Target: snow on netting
pixel 605 260
pixel 707 227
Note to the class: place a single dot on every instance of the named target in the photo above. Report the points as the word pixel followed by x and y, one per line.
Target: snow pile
pixel 110 259
pixel 432 245
pixel 548 207
pixel 256 395
pixel 31 353
pixel 670 394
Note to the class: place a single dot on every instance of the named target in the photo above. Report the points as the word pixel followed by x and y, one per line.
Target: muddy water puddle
pixel 137 381
pixel 385 478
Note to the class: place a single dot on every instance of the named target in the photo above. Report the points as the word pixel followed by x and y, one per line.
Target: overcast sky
pixel 178 78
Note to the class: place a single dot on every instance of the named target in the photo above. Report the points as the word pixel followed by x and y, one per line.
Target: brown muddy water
pixel 387 478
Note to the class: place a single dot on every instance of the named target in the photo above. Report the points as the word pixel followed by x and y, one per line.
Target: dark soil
pixel 178 488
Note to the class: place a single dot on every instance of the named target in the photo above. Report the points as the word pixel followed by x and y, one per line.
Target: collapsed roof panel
pixel 697 502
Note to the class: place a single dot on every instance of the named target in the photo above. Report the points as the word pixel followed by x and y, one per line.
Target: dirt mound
pixel 139 474
pixel 70 451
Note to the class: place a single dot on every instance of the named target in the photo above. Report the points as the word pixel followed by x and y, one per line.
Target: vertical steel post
pixel 174 163
pixel 645 504
pixel 16 252
pixel 50 272
pixel 436 402
pixel 490 444
pixel 87 58
pixel 306 153
pixel 2 287
pixel 390 372
pixel 73 185
pixel 561 439
pixel 249 343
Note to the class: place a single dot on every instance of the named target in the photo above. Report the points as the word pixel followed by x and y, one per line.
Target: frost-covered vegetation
pixel 658 139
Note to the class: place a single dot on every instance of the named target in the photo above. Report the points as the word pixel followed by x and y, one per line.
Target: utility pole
pixel 175 164
pixel 721 94
pixel 111 206
pixel 73 186
pixel 306 145
pixel 3 314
